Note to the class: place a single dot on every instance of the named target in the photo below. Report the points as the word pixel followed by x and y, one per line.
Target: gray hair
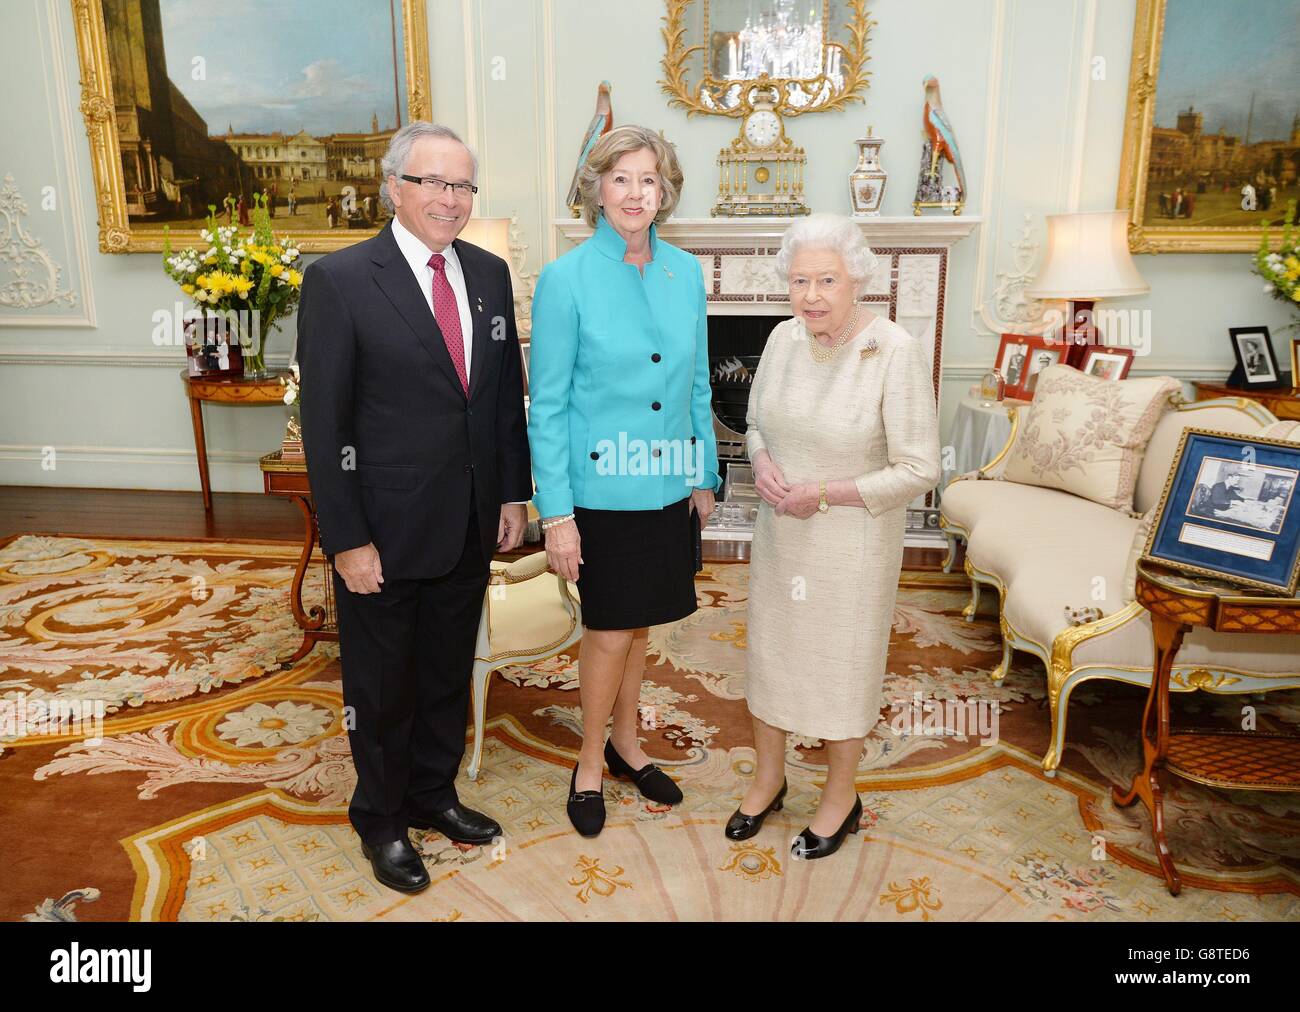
pixel 399 150
pixel 836 234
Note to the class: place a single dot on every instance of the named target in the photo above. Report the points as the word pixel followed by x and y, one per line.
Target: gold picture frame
pixel 1164 504
pixel 852 53
pixel 1136 156
pixel 117 234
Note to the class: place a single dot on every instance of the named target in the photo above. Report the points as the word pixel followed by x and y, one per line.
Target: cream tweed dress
pixel 822 590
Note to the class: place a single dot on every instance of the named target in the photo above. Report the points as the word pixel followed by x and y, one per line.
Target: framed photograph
pixel 1254 350
pixel 212 349
pixel 1295 363
pixel 1107 363
pixel 1208 129
pixel 189 105
pixel 1229 510
pixel 1021 357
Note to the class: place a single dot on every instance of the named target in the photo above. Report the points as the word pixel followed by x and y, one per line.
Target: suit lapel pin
pixel 667 271
pixel 480 305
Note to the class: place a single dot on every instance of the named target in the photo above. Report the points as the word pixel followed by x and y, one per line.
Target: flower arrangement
pixel 251 279
pixel 1281 270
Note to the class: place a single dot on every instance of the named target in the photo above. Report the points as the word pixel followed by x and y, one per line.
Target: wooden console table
pixel 1285 404
pixel 288 478
pixel 225 390
pixel 1251 760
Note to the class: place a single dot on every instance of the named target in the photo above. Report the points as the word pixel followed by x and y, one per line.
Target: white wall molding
pixel 1007 309
pixel 67 171
pixel 110 357
pixel 546 90
pixel 127 466
pixel 1214 372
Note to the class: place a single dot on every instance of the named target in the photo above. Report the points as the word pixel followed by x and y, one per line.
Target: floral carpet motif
pixel 218 786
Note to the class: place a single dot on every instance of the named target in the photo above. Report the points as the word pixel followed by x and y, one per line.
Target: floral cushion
pixel 1086 435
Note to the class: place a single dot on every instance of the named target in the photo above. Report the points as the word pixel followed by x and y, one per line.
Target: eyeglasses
pixel 435 185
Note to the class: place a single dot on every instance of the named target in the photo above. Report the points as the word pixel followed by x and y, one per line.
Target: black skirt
pixel 638 566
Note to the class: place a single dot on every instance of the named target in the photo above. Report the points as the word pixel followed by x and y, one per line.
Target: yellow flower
pixel 295 278
pixel 187 289
pixel 276 270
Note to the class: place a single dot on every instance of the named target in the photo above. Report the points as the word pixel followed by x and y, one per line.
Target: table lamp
pixel 493 234
pixel 1087 259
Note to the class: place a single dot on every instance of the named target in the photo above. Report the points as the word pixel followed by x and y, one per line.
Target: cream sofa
pixel 1042 550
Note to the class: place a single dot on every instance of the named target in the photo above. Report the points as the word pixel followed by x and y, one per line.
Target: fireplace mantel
pixel 927 230
pixel 738 259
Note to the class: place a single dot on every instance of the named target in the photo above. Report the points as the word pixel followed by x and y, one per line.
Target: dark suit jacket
pixel 393 445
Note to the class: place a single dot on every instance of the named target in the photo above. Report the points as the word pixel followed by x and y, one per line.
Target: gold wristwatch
pixel 823 506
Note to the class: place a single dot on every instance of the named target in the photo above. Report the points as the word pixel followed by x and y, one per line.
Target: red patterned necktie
pixel 447 313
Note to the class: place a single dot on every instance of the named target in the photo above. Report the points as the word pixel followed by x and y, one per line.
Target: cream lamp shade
pixel 493 234
pixel 1087 258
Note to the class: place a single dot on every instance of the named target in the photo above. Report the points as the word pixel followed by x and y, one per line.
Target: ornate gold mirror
pixel 811 53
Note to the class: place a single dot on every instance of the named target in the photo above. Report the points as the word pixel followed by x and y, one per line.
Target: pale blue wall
pixel 1038 135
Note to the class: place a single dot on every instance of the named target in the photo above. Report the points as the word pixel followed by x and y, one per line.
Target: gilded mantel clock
pixel 761 171
pixel 763 62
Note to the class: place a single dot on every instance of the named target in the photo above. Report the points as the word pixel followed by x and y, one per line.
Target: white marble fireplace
pixel 738 256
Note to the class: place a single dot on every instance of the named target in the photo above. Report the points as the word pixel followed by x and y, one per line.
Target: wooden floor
pixel 235 516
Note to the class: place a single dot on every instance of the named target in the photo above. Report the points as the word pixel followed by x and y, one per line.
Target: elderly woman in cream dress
pixel 842 434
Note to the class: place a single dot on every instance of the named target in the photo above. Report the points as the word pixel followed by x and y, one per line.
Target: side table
pixel 1285 404
pixel 225 390
pixel 1252 760
pixel 978 432
pixel 289 478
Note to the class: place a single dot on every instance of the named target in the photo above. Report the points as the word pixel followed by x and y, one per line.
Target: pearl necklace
pixel 824 354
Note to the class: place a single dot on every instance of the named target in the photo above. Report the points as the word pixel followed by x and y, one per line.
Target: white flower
pixel 1269 289
pixel 289 395
pixel 263 726
pixel 296 375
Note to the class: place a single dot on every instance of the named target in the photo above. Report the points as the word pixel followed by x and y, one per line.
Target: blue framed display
pixel 1231 509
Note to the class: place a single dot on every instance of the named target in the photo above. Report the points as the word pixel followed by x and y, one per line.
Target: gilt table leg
pixel 1168 637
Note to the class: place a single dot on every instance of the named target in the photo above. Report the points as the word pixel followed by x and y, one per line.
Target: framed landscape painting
pixel 190 106
pixel 1212 131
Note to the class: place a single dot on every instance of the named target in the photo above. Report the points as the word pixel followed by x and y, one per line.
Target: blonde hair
pixel 605 155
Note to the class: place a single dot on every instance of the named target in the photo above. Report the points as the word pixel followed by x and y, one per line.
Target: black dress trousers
pixel 407 654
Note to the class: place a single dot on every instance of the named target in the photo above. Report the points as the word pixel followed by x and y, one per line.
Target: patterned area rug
pixel 216 787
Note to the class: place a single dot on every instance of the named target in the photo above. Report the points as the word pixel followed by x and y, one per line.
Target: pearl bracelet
pixel 548 524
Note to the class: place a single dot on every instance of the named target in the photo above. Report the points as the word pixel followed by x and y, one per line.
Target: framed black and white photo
pixel 1254 350
pixel 1229 510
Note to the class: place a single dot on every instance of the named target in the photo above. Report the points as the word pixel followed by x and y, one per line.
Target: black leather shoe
pixel 809 846
pixel 586 808
pixel 397 865
pixel 650 780
pixel 459 824
pixel 741 826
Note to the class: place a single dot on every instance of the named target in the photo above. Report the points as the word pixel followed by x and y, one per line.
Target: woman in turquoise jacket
pixel 621 431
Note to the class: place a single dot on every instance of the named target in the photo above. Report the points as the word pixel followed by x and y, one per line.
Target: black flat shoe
pixel 741 826
pixel 586 808
pixel 397 865
pixel 809 846
pixel 650 780
pixel 459 824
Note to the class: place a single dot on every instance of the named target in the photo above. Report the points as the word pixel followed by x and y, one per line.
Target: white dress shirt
pixel 417 255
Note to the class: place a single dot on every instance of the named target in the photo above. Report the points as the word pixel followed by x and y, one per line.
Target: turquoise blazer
pixel 620 415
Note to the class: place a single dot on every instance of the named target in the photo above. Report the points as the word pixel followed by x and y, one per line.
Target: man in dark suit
pixel 417 451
